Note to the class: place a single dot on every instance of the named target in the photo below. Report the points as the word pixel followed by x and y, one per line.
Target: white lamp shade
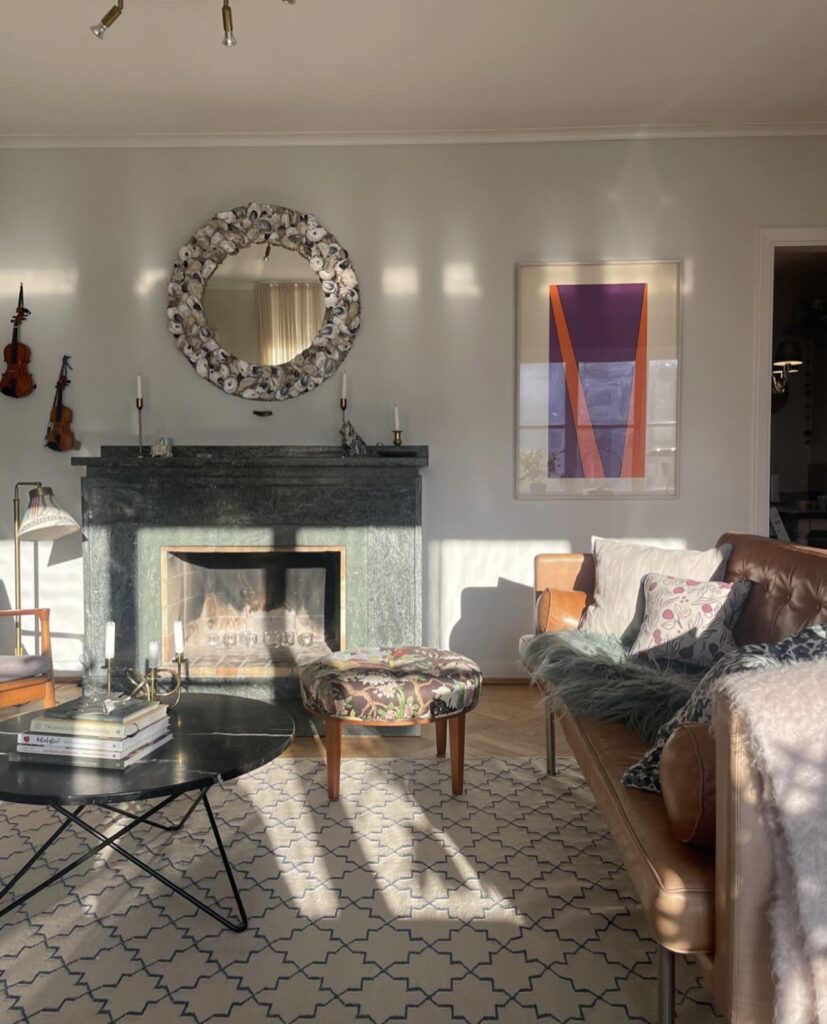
pixel 44 519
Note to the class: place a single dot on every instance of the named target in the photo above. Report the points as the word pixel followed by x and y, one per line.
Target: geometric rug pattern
pixel 398 903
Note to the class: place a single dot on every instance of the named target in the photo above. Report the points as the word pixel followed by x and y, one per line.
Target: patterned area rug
pixel 399 903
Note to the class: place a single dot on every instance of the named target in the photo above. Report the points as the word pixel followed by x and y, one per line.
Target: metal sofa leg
pixel 666 986
pixel 551 742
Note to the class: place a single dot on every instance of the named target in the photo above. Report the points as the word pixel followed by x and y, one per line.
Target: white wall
pixel 435 233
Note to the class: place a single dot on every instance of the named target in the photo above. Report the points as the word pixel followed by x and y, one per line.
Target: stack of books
pixel 85 735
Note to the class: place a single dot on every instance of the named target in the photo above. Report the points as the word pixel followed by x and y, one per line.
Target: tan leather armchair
pixel 28 677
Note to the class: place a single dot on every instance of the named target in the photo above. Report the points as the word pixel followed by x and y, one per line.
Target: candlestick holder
pixel 139 405
pixel 397 438
pixel 110 664
pixel 153 684
pixel 352 442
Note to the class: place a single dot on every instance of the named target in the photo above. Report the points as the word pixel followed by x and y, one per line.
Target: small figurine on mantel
pixel 162 449
pixel 352 443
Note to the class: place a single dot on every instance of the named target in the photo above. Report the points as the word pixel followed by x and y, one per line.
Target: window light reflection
pixel 460 279
pixel 38 282
pixel 400 281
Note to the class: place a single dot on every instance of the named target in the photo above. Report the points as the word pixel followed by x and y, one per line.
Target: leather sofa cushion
pixel 687 781
pixel 675 882
pixel 24 666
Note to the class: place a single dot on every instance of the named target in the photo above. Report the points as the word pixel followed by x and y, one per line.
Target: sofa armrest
pixel 560 609
pixel 564 572
pixel 742 968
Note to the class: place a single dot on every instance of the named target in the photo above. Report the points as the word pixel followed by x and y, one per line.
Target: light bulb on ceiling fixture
pixel 108 20
pixel 227 16
pixel 267 253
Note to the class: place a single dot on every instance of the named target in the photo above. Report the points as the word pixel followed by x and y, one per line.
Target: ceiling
pixel 393 67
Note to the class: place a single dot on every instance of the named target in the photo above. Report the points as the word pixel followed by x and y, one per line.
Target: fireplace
pixel 264 552
pixel 253 612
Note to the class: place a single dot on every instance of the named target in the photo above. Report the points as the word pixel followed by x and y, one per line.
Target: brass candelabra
pixel 151 685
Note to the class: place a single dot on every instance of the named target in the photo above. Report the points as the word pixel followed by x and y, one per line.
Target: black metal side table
pixel 215 739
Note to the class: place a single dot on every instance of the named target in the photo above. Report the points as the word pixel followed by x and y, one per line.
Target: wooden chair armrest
pixel 40 613
pixel 560 609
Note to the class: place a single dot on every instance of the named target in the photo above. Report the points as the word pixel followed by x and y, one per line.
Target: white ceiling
pixel 414 66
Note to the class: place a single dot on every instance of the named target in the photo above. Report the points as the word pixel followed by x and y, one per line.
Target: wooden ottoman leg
pixel 441 726
pixel 333 749
pixel 456 725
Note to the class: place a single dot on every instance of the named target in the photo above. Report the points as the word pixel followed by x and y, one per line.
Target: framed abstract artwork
pixel 598 362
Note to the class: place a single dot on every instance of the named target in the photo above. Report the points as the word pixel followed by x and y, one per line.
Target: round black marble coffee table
pixel 214 739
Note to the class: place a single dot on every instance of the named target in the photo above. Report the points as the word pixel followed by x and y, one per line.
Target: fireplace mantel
pixel 208 457
pixel 277 496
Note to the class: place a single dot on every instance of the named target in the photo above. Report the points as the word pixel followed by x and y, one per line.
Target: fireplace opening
pixel 252 612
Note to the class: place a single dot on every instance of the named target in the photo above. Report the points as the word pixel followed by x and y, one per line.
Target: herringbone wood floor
pixel 508 722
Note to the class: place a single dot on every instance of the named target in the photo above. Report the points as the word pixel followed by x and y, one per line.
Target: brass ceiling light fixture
pixel 108 20
pixel 227 16
pixel 112 15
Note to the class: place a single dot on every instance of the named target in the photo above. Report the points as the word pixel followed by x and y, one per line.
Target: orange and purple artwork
pixel 598 363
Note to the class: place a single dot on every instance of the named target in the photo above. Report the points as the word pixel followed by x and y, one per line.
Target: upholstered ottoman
pixel 392 686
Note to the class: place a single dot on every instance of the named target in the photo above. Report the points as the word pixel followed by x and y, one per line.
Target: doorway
pixel 798 422
pixel 790 453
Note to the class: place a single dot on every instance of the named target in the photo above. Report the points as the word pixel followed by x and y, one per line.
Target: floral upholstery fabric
pixel 391 684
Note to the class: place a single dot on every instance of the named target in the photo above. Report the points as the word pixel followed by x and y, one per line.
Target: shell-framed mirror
pixel 282 308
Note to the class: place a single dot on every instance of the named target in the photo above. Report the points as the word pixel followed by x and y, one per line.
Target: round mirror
pixel 264 302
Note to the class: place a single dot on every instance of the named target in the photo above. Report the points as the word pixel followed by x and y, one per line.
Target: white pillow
pixel 619 568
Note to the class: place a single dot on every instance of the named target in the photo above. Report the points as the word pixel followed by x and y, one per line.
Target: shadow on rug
pixel 399 902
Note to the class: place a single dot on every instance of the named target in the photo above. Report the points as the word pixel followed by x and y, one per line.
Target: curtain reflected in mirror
pixel 289 315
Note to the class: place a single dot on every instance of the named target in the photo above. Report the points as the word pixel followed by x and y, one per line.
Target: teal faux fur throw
pixel 594 675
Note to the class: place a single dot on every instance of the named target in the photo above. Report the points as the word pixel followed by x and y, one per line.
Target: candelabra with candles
pixel 162 684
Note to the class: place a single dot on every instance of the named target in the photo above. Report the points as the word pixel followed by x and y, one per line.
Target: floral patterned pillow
pixel 689 620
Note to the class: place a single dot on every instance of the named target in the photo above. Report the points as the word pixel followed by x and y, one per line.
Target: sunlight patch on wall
pixel 148 279
pixel 480 597
pixel 460 280
pixel 38 282
pixel 400 281
pixel 58 587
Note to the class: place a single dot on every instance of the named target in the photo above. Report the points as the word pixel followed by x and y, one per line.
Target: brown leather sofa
pixel 711 905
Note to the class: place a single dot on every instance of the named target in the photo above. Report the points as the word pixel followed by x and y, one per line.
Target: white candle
pixel 140 387
pixel 109 641
pixel 153 654
pixel 344 386
pixel 396 417
pixel 178 636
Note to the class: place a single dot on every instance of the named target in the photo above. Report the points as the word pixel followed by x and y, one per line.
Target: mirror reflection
pixel 264 304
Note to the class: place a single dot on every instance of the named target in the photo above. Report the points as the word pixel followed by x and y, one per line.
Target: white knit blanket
pixel 785 712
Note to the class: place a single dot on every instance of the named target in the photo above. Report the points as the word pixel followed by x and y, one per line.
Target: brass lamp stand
pixel 44 519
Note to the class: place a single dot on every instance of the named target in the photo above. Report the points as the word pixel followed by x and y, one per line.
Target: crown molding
pixel 599 133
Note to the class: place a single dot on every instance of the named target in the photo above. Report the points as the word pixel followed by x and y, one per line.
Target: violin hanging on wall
pixel 17 381
pixel 59 436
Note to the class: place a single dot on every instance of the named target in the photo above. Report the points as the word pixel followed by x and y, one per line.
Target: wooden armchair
pixel 38 686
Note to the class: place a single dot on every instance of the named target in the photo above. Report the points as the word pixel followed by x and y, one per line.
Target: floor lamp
pixel 43 519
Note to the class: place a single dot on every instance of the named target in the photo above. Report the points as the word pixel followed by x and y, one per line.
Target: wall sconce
pixel 787 360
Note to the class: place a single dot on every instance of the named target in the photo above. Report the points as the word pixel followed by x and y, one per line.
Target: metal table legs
pixel 111 841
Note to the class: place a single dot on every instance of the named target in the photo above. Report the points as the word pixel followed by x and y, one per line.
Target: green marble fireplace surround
pixel 253 497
